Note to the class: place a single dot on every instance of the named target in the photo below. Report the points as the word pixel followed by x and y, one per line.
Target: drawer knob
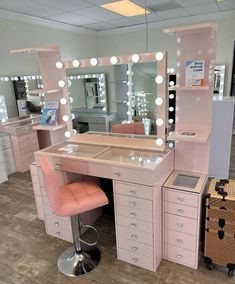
pixel 53 213
pixel 180 225
pixel 179 256
pixel 132 203
pixel 133 248
pixel 133 236
pixel 180 241
pixel 117 174
pixel 132 214
pixel 132 192
pixel 57 233
pixel 132 225
pixel 58 166
pixel 180 199
pixel 134 259
pixel 57 223
pixel 180 211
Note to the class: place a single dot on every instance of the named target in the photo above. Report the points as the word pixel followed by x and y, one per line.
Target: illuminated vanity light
pixel 171 145
pixel 171 109
pixel 133 158
pixel 140 159
pixel 74 132
pixel 128 94
pixel 72 116
pixel 171 83
pixel 3 120
pixel 61 83
pixel 114 60
pixel 59 65
pixel 159 56
pixel 128 103
pixel 67 134
pixel 129 83
pixel 171 120
pixel 159 79
pixel 75 63
pixel 94 61
pixel 71 100
pixel 6 79
pixel 63 101
pixel 159 101
pixel 171 96
pixel 128 113
pixel 135 58
pixel 172 70
pixel 104 109
pixel 159 141
pixel 65 117
pixel 159 122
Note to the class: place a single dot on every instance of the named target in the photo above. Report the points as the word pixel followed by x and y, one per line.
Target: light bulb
pixel 171 96
pixel 72 116
pixel 59 65
pixel 172 70
pixel 61 83
pixel 171 109
pixel 6 79
pixel 171 83
pixel 70 99
pixel 65 117
pixel 159 122
pixel 171 145
pixel 93 61
pixel 128 94
pixel 75 63
pixel 128 72
pixel 63 101
pixel 114 60
pixel 171 120
pixel 135 58
pixel 159 79
pixel 3 120
pixel 159 101
pixel 67 134
pixel 74 132
pixel 128 113
pixel 159 56
pixel 159 141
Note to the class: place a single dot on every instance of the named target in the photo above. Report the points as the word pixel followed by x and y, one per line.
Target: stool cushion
pixel 79 197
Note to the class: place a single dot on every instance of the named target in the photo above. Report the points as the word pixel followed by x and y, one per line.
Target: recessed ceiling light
pixel 125 8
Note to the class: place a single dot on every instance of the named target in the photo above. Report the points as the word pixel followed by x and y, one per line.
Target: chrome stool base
pixel 74 264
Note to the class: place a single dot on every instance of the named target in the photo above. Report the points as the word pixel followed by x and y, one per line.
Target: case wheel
pixel 231 268
pixel 209 263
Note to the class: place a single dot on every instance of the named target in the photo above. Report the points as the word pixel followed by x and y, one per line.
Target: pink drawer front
pixel 135 247
pixel 180 197
pixel 99 170
pixel 135 224
pixel 180 224
pixel 181 210
pixel 134 213
pixel 134 235
pixel 135 259
pixel 135 203
pixel 134 190
pixel 180 255
pixel 180 240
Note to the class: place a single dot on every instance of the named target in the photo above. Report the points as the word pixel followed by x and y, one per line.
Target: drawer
pixel 58 223
pixel 134 190
pixel 99 170
pixel 73 166
pixel 28 137
pixel 135 247
pixel 180 255
pixel 97 127
pixel 181 210
pixel 134 235
pixel 180 240
pixel 134 213
pixel 135 259
pixel 58 233
pixel 144 177
pixel 133 202
pixel 177 196
pixel 36 189
pixel 5 141
pixel 134 224
pixel 181 224
pixel 39 206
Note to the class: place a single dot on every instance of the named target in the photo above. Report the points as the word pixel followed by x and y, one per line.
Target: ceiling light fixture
pixel 125 8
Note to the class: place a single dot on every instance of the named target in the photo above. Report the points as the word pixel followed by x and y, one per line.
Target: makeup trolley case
pixel 220 224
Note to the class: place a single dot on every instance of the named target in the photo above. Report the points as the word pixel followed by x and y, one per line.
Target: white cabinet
pixel 6 155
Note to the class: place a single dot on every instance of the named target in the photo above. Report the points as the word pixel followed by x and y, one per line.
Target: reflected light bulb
pixel 67 134
pixel 63 101
pixel 171 120
pixel 159 79
pixel 159 122
pixel 171 109
pixel 171 96
pixel 93 61
pixel 74 132
pixel 171 83
pixel 59 65
pixel 171 145
pixel 159 101
pixel 75 63
pixel 65 117
pixel 159 141
pixel 72 116
pixel 159 56
pixel 61 83
pixel 70 99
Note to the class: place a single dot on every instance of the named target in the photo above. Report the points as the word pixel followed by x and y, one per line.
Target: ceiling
pixel 87 13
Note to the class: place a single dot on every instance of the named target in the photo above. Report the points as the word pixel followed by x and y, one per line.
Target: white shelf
pixel 49 127
pixel 33 50
pixel 199 137
pixel 43 91
pixel 193 88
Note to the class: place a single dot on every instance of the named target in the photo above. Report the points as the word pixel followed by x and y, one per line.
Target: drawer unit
pixel 31 137
pixel 3 172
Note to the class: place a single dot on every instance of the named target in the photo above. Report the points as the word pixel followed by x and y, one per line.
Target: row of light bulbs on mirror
pixel 15 78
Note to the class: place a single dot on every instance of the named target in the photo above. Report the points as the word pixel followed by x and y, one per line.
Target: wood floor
pixel 29 256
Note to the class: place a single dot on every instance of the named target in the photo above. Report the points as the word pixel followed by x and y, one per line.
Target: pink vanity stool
pixel 71 200
pixel 129 128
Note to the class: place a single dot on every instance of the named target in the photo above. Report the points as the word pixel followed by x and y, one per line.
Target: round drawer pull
pixel 132 225
pixel 117 174
pixel 180 211
pixel 180 199
pixel 133 248
pixel 57 233
pixel 179 256
pixel 133 236
pixel 132 192
pixel 57 223
pixel 132 203
pixel 180 225
pixel 134 259
pixel 132 214
pixel 180 241
pixel 58 166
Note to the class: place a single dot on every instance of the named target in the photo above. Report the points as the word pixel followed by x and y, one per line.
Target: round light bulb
pixel 65 117
pixel 159 79
pixel 171 109
pixel 171 145
pixel 135 58
pixel 171 96
pixel 74 132
pixel 75 63
pixel 61 83
pixel 172 70
pixel 128 72
pixel 171 83
pixel 93 61
pixel 72 116
pixel 159 56
pixel 171 120
pixel 128 94
pixel 70 99
pixel 159 141
pixel 159 122
pixel 63 101
pixel 67 134
pixel 159 101
pixel 3 120
pixel 6 79
pixel 114 60
pixel 59 65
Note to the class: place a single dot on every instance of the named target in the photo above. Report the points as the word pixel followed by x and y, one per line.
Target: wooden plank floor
pixel 29 256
